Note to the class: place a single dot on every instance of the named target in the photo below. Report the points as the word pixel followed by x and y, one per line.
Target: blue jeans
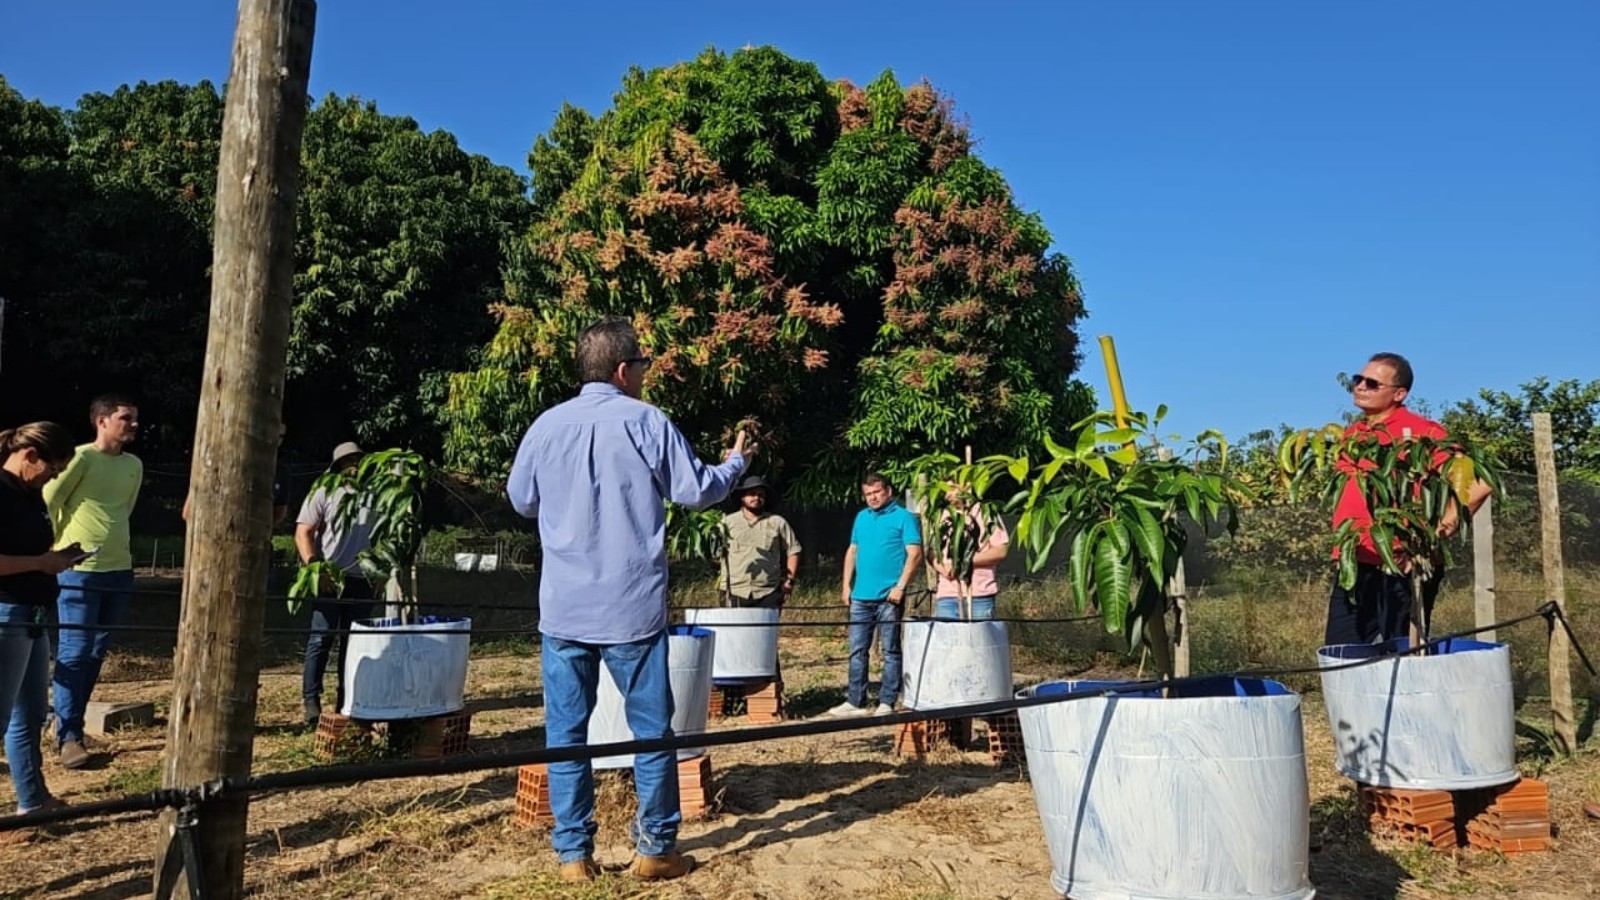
pixel 950 608
pixel 330 629
pixel 571 674
pixel 865 617
pixel 24 675
pixel 99 600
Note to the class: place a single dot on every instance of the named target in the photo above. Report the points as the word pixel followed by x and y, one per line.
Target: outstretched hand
pixel 748 451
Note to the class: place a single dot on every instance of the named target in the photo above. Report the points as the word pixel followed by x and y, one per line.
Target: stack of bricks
pixel 341 737
pixel 921 737
pixel 1511 818
pixel 694 786
pixel 1514 818
pixel 1427 817
pixel 763 701
pixel 1005 739
pixel 695 793
pixel 533 797
pixel 438 736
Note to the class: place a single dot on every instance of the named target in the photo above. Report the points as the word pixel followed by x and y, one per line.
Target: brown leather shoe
pixel 74 755
pixel 580 870
pixel 657 868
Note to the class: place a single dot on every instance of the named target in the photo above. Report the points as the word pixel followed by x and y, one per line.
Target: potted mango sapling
pixel 1194 789
pixel 405 665
pixel 1443 716
pixel 949 662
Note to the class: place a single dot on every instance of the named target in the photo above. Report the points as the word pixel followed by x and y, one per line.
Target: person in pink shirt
pixel 992 542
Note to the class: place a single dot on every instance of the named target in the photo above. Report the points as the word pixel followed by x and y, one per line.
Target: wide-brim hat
pixel 344 451
pixel 752 483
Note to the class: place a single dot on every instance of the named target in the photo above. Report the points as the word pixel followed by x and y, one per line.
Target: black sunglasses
pixel 638 360
pixel 1370 384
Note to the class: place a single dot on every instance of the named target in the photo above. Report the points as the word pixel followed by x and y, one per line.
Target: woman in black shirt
pixel 33 454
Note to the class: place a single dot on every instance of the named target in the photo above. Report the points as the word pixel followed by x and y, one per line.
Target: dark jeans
pixel 330 625
pixel 1378 608
pixel 773 599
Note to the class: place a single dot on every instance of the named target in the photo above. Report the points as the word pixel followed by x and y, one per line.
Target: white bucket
pixel 395 671
pixel 745 650
pixel 1446 721
pixel 689 654
pixel 1201 796
pixel 949 663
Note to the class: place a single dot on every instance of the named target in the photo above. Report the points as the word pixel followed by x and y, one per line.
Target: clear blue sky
pixel 1257 195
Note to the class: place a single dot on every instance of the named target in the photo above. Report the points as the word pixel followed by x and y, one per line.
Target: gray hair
pixel 605 345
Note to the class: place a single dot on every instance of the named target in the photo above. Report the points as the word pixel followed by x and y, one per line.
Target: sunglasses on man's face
pixel 1370 384
pixel 639 360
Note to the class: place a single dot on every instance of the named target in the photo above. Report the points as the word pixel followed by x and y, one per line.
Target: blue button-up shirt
pixel 594 471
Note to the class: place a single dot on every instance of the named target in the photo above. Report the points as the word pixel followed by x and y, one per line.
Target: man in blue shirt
pixel 885 553
pixel 595 471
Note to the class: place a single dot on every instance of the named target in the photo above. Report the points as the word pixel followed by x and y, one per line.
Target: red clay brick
pixel 533 798
pixel 694 786
pixel 341 737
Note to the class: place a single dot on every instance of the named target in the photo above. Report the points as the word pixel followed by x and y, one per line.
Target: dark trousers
pixel 773 599
pixel 1378 608
pixel 330 626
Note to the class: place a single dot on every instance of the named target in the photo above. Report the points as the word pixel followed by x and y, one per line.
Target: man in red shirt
pixel 1378 608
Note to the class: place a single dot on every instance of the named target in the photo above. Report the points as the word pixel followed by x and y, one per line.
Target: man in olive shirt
pixel 90 504
pixel 763 552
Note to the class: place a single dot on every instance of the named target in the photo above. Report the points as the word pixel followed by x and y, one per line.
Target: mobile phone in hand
pixel 83 554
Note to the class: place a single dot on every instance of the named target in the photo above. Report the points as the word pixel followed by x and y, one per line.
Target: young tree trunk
pixel 211 726
pixel 1419 624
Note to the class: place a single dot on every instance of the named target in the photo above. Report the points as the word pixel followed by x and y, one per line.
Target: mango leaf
pixel 1018 469
pixel 1078 571
pixel 1098 465
pixel 1150 542
pixel 1111 577
pixel 1124 456
pixel 1461 473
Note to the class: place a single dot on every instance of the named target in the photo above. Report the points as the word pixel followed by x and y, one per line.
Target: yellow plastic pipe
pixel 1119 398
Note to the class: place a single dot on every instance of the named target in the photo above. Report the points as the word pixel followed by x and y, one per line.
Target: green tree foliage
pixel 105 250
pixel 113 290
pixel 398 246
pixel 1284 536
pixel 791 251
pixel 1502 423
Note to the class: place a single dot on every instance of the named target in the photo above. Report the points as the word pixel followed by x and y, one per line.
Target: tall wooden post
pixel 1483 611
pixel 1555 585
pixel 211 728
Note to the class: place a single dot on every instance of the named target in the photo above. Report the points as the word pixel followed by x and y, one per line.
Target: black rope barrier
pixel 329 776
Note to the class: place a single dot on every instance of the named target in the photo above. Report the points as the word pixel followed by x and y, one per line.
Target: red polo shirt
pixel 1352 504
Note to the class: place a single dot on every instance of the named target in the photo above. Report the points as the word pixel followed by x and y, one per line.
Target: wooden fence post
pixel 1555 586
pixel 1483 611
pixel 200 850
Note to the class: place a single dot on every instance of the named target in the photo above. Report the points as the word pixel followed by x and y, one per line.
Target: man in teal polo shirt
pixel 885 553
